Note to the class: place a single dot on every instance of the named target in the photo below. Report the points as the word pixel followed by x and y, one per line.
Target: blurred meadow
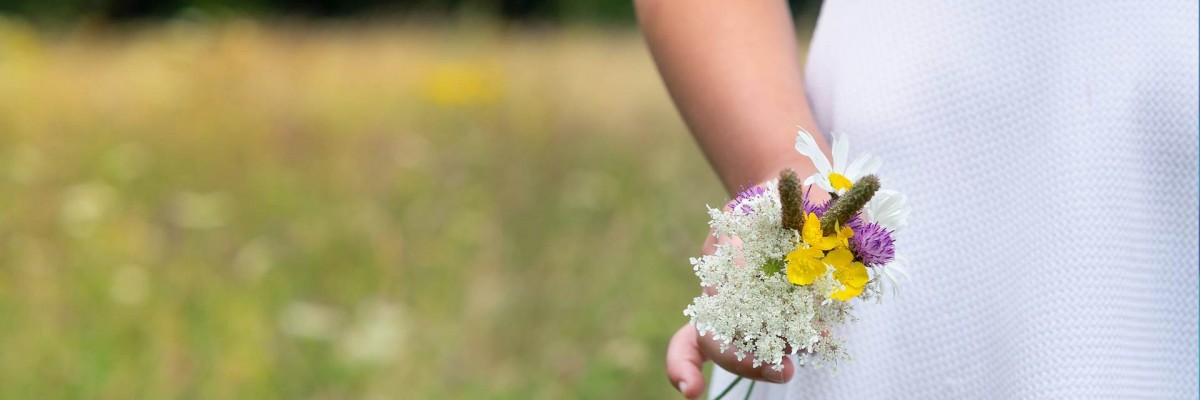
pixel 238 209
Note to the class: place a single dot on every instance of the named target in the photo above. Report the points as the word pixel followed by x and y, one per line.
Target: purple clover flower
pixel 745 195
pixel 819 209
pixel 871 242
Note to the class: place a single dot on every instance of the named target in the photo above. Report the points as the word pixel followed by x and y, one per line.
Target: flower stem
pixel 728 388
pixel 750 390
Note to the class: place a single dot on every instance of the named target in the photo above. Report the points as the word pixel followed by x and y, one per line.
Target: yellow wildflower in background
pixel 463 83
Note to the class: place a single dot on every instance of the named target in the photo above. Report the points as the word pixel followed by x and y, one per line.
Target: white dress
pixel 1049 152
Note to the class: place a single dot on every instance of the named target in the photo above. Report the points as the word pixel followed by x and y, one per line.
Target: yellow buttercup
pixel 806 263
pixel 811 234
pixel 851 274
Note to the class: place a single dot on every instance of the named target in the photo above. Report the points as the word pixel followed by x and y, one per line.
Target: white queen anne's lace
pixel 754 309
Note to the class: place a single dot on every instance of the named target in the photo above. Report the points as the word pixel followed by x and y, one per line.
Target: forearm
pixel 733 71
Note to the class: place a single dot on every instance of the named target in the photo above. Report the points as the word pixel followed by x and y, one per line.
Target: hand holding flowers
pixel 798 263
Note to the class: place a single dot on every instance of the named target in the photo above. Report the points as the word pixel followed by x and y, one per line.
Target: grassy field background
pixel 244 210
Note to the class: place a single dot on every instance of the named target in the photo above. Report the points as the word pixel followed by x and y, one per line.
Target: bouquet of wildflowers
pixel 791 267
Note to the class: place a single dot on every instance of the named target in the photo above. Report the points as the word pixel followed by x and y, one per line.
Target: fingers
pixel 684 362
pixel 728 360
pixel 688 351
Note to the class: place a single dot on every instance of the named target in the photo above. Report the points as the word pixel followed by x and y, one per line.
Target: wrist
pixel 768 168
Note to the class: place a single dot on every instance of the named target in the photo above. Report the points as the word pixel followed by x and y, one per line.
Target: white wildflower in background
pixel 202 210
pixel 377 334
pixel 310 321
pixel 85 205
pixel 253 260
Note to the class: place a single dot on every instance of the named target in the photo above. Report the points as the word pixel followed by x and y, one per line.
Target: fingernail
pixel 683 388
pixel 774 376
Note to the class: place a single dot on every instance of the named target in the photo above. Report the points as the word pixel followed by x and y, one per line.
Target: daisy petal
pixel 864 164
pixel 889 209
pixel 896 267
pixel 822 181
pixel 841 150
pixel 806 145
pixel 872 164
pixel 891 282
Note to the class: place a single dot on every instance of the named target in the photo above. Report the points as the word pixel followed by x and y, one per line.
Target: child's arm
pixel 733 70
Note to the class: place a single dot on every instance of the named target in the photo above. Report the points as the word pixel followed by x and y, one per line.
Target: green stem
pixel 728 388
pixel 750 390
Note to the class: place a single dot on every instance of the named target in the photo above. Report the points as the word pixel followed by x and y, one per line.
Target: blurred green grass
pixel 238 210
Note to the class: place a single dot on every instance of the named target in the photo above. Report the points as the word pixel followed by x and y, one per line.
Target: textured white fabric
pixel 1049 151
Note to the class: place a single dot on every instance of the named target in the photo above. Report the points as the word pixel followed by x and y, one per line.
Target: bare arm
pixel 734 73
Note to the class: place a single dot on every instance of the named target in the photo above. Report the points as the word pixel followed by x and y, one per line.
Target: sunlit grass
pixel 235 210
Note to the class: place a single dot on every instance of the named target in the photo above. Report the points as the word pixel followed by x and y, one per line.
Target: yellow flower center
pixel 839 181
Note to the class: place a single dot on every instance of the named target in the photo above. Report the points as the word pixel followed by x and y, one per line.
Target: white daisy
pixel 888 276
pixel 841 174
pixel 889 209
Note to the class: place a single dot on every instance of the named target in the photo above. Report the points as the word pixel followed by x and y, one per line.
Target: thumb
pixel 684 362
